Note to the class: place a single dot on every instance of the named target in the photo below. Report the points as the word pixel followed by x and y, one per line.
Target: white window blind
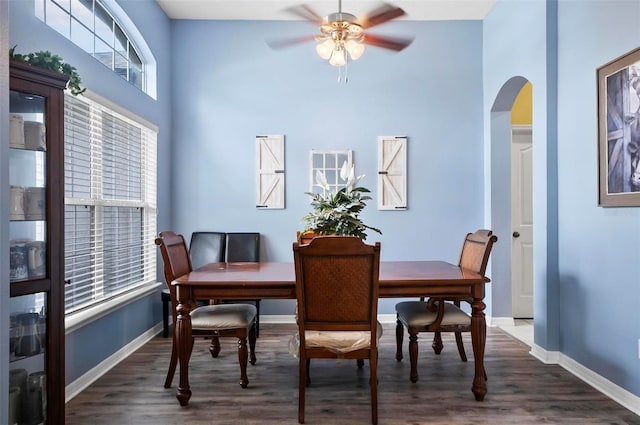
pixel 110 203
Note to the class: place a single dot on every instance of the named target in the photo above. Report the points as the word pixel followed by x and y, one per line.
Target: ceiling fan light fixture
pixel 343 36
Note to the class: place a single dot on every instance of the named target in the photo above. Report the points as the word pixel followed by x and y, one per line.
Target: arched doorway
pixel 512 207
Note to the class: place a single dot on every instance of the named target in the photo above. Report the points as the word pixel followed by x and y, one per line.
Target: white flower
pixel 322 180
pixel 344 171
pixel 348 174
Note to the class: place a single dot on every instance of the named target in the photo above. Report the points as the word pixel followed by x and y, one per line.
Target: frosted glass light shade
pixel 325 49
pixel 338 58
pixel 355 49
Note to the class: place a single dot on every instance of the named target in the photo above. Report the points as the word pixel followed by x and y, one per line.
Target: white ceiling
pixel 417 10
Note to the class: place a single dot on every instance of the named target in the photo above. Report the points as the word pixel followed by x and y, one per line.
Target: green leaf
pixel 47 60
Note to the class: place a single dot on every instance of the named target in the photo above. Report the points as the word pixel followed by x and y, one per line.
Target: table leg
pixel 184 341
pixel 478 339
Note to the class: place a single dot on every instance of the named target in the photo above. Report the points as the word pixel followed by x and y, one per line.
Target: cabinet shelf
pixel 31 363
pixel 15 148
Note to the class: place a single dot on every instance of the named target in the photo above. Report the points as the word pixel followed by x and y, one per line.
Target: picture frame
pixel 619 131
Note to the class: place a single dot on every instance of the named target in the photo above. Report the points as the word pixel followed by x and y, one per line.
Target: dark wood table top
pixel 277 280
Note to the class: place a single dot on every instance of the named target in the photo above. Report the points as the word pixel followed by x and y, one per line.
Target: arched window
pixel 100 28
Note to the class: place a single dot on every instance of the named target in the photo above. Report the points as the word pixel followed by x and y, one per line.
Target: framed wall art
pixel 619 131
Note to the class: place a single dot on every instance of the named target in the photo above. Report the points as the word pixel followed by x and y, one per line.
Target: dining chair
pixel 220 320
pixel 244 247
pixel 337 307
pixel 204 247
pixel 207 247
pixel 439 314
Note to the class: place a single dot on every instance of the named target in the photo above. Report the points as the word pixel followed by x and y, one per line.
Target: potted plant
pixel 337 213
pixel 52 62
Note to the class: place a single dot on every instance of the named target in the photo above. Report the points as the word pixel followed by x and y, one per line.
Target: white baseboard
pixel 613 391
pixel 606 387
pixel 387 318
pixel 77 386
pixel 291 319
pixel 382 318
pixel 500 321
pixel 546 357
pixel 278 318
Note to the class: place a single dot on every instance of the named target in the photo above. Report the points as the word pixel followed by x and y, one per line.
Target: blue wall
pixel 598 247
pixel 90 345
pixel 586 257
pixel 516 41
pixel 238 88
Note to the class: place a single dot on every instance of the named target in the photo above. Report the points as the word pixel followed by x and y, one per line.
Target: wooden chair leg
pixel 253 334
pixel 243 356
pixel 463 355
pixel 165 317
pixel 413 356
pixel 308 375
pixel 172 364
pixel 437 343
pixel 303 367
pixel 399 337
pixel 257 318
pixel 214 348
pixel 373 381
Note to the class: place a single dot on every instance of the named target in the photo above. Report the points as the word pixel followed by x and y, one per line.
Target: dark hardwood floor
pixel 521 390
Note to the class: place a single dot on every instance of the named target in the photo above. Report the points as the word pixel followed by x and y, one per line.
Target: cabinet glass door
pixel 27 344
pixel 27 209
pixel 28 264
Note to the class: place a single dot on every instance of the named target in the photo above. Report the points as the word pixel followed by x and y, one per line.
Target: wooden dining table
pixel 272 280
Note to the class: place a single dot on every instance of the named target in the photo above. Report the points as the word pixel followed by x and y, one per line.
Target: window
pixel 329 163
pixel 110 203
pixel 89 25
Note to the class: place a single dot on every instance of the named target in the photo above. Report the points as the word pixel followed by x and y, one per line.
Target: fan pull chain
pixel 346 68
pixel 346 72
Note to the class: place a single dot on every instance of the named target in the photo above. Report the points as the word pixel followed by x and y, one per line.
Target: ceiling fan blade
pixel 391 43
pixel 277 44
pixel 305 12
pixel 383 14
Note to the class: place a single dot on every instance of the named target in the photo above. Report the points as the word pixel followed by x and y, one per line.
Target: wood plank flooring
pixel 521 390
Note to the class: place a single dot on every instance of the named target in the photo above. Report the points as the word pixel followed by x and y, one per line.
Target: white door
pixel 522 222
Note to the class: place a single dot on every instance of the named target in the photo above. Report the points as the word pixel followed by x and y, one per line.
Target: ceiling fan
pixel 343 36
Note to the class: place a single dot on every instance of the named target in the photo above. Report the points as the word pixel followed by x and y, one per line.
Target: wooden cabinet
pixel 36 176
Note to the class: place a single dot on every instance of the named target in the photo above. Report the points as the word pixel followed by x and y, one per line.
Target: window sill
pixel 82 318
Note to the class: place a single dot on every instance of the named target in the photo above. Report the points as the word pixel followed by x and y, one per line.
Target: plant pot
pixel 305 237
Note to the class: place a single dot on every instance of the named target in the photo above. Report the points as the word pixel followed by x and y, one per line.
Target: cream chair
pixel 440 315
pixel 220 320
